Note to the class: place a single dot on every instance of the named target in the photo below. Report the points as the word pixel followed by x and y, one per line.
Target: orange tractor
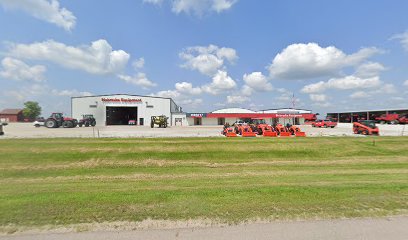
pixel 365 127
pixel 228 131
pixel 295 130
pixel 262 128
pixel 244 130
pixel 282 130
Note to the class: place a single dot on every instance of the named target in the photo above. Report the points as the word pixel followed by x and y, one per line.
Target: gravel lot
pixel 27 130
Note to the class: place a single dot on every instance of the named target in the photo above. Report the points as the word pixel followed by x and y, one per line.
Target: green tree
pixel 31 110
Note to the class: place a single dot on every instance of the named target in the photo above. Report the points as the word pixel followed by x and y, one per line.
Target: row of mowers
pixel 258 127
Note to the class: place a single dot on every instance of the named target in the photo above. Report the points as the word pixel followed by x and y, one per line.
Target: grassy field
pixel 68 181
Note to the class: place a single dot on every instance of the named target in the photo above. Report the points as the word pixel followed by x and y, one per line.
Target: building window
pixel 221 121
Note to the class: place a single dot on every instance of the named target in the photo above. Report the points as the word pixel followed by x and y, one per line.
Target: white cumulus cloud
pixel 70 93
pixel 47 10
pixel 221 82
pixel 98 58
pixel 360 95
pixel 345 83
pixel 237 99
pixel 369 69
pixel 405 83
pixel 318 97
pixel 403 38
pixel 207 60
pixel 257 81
pixel 139 63
pixel 187 88
pixel 196 7
pixel 18 70
pixel 304 61
pixel 140 79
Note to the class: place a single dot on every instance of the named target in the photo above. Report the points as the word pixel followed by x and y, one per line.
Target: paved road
pixel 395 228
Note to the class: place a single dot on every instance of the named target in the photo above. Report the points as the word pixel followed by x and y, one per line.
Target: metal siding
pixel 80 106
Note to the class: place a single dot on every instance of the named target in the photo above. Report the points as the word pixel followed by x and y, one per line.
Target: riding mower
pixel 365 127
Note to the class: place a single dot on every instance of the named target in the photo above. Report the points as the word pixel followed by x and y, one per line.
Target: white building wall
pixel 147 107
pixel 181 116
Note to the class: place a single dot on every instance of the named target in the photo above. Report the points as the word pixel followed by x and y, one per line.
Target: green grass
pixel 68 181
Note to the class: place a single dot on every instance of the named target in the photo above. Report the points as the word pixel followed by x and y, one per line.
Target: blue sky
pixel 207 54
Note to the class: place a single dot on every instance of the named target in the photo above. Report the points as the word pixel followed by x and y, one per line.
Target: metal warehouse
pixel 123 109
pixel 231 115
pixel 354 116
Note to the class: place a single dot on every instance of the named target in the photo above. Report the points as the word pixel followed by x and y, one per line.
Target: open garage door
pixel 120 115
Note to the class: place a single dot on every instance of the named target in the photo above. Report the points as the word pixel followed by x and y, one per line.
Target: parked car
pixel 324 123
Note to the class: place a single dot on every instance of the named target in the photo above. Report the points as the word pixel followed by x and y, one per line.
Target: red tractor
pixel 57 120
pixel 87 120
pixel 295 130
pixel 244 130
pixel 403 119
pixel 388 118
pixel 365 127
pixel 282 130
pixel 262 128
pixel 228 131
pixel 324 123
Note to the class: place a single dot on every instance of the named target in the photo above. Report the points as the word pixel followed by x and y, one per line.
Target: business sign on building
pixel 121 100
pixel 196 115
pixel 289 115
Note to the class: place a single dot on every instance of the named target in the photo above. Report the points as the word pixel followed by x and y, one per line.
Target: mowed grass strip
pixel 68 181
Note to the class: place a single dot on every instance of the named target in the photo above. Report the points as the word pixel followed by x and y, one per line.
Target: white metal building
pixel 122 109
pixel 231 115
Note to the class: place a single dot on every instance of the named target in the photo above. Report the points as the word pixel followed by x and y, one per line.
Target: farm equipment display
pixel 244 130
pixel 365 127
pixel 258 126
pixel 282 130
pixel 87 120
pixel 1 128
pixel 388 118
pixel 228 131
pixel 295 130
pixel 161 121
pixel 403 119
pixel 57 120
pixel 324 123
pixel 262 128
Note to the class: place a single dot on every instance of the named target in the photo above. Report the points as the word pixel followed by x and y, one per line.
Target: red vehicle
pixel 295 130
pixel 388 118
pixel 403 119
pixel 366 127
pixel 324 123
pixel 228 131
pixel 57 120
pixel 244 129
pixel 262 128
pixel 282 130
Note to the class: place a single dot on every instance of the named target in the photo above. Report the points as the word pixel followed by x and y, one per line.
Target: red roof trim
pixel 260 115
